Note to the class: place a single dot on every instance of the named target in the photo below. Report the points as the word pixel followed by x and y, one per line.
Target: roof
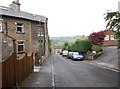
pixel 6 11
pixel 110 30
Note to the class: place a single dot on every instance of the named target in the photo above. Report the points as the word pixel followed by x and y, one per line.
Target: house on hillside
pixel 29 30
pixel 109 39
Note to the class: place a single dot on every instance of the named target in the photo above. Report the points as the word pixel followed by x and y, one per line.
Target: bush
pixel 97 48
pixel 80 45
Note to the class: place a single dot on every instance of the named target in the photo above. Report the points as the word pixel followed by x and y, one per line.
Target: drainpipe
pixel 14 46
pixel 6 28
pixel 44 38
pixel 14 51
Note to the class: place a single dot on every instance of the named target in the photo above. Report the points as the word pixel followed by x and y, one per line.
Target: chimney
pixel 15 5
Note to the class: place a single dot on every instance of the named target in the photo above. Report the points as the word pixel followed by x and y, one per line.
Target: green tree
pixel 80 45
pixel 65 46
pixel 113 22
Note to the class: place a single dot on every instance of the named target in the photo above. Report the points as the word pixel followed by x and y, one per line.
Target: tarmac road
pixel 58 71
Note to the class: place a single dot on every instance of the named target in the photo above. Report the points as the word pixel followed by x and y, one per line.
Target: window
pixel 106 37
pixel 20 28
pixel 41 43
pixel 21 46
pixel 0 25
pixel 112 37
pixel 40 31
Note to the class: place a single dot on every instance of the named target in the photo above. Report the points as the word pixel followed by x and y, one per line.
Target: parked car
pixel 77 56
pixel 60 53
pixel 65 52
pixel 69 55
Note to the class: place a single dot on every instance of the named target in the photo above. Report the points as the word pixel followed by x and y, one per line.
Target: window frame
pixel 107 38
pixel 112 37
pixel 0 25
pixel 41 43
pixel 40 32
pixel 20 25
pixel 23 44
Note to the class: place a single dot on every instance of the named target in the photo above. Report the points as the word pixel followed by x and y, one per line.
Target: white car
pixel 77 56
pixel 65 52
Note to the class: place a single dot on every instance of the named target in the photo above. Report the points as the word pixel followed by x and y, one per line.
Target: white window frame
pixel 0 25
pixel 23 44
pixel 22 28
pixel 40 31
pixel 106 37
pixel 112 37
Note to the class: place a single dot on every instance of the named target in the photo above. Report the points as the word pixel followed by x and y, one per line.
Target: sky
pixel 69 17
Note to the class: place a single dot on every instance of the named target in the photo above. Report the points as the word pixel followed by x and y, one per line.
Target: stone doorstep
pixel 37 68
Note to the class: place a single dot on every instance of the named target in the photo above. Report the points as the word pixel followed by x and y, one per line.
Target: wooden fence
pixel 14 71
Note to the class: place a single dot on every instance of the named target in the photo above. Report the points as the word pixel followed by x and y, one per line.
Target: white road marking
pixel 53 76
pixel 102 65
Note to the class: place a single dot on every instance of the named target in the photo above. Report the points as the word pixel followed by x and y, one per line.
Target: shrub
pixel 80 45
pixel 97 48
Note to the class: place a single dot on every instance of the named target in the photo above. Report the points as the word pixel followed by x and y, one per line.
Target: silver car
pixel 77 56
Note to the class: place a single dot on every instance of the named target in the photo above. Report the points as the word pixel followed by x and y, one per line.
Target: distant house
pixel 109 39
pixel 29 30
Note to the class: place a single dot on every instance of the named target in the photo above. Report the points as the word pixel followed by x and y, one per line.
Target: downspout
pixel 6 28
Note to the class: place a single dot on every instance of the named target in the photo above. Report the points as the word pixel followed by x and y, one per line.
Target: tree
pixel 113 20
pixel 80 45
pixel 97 38
pixel 113 23
pixel 65 46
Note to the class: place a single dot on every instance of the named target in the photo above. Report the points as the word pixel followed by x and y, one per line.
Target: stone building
pixel 109 39
pixel 29 30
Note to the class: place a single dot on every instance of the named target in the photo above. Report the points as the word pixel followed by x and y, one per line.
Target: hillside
pixel 60 40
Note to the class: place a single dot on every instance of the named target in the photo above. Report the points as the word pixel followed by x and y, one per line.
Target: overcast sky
pixel 70 17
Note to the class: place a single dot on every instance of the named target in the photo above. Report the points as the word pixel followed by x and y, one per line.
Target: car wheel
pixel 73 59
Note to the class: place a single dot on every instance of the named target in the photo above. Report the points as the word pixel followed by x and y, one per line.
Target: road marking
pixel 102 66
pixel 53 76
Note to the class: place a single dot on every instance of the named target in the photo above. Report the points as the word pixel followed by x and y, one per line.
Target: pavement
pixel 109 58
pixel 41 77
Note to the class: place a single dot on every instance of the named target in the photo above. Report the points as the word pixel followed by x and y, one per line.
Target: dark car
pixel 69 55
pixel 77 56
pixel 60 53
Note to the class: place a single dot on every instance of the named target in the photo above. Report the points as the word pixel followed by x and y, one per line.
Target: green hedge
pixel 80 45
pixel 97 48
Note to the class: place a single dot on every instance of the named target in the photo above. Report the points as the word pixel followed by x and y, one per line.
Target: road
pixel 109 56
pixel 58 71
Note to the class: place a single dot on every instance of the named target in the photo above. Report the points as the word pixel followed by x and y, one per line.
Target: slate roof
pixel 6 11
